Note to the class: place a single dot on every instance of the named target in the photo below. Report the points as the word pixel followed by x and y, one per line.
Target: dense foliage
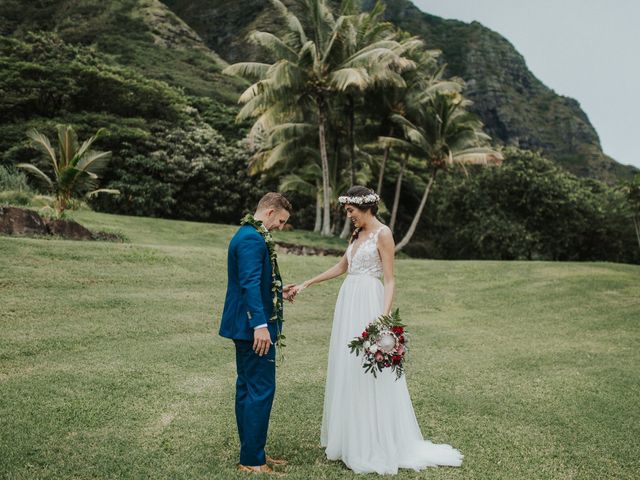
pixel 187 172
pixel 134 69
pixel 527 209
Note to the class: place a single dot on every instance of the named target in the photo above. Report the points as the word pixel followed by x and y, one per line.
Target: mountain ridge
pixel 515 106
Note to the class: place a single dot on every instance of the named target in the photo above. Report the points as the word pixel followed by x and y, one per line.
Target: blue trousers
pixel 255 389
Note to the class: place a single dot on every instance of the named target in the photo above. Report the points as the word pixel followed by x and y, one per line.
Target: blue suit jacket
pixel 248 302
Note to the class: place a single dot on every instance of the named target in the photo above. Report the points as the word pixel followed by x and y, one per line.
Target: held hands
pixel 289 292
pixel 298 288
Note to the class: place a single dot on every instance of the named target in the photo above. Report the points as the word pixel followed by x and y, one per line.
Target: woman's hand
pixel 300 287
pixel 289 292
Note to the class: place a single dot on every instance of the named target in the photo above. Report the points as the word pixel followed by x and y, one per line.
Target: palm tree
pixel 311 64
pixel 395 99
pixel 443 134
pixel 306 181
pixel 383 75
pixel 75 170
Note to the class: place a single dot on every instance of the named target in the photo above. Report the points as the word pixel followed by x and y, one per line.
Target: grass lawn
pixel 111 367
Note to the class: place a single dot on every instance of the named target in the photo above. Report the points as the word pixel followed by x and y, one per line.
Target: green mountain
pixel 184 44
pixel 516 107
pixel 142 34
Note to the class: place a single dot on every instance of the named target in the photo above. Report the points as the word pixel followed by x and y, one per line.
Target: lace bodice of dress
pixel 366 259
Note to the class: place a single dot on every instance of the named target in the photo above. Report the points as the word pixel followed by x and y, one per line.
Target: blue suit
pixel 248 304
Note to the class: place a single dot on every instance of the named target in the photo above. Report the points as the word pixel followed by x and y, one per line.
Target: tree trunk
pixel 346 229
pixel 318 226
pixel 636 223
pixel 396 197
pixel 61 204
pixel 352 143
pixel 385 157
pixel 326 218
pixel 412 228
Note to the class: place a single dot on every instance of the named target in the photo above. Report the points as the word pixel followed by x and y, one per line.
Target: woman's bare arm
pixel 335 271
pixel 386 248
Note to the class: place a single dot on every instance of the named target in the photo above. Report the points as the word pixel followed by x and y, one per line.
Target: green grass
pixel 111 367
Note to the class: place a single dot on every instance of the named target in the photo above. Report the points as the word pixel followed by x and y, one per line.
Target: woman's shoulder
pixel 384 233
pixel 383 230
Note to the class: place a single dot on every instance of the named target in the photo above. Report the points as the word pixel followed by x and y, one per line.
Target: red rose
pixel 396 359
pixel 401 338
pixel 365 334
pixel 398 330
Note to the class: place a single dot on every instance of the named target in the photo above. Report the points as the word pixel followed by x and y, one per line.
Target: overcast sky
pixel 585 49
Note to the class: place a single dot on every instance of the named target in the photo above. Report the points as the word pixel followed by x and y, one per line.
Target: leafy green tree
pixel 76 169
pixel 187 171
pixel 441 134
pixel 306 181
pixel 42 75
pixel 632 191
pixel 311 65
pixel 528 209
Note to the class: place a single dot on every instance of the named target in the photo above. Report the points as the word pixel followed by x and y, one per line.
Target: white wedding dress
pixel 368 422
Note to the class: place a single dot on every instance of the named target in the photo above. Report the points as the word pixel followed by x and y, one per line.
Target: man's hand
pixel 289 292
pixel 261 340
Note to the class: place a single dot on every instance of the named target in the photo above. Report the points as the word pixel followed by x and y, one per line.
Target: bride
pixel 368 422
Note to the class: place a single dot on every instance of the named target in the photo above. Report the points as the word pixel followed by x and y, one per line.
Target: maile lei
pixel 276 280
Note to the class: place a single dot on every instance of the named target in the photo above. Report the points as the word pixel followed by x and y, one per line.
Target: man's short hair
pixel 274 200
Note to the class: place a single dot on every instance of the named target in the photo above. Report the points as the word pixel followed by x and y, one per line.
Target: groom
pixel 252 318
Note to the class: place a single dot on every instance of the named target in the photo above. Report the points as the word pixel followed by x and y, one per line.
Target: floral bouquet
pixel 383 344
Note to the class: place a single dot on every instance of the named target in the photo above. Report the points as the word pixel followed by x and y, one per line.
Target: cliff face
pixel 516 107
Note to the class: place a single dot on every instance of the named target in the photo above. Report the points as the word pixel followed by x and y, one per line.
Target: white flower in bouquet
pixel 387 342
pixel 373 348
pixel 366 344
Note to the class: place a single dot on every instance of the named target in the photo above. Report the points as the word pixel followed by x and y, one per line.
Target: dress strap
pixel 377 232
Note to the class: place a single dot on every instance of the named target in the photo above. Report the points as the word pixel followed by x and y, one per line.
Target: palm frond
pixel 94 162
pixel 309 53
pixel 273 44
pixel 283 75
pixel 349 77
pixel 68 144
pixel 41 143
pixel 295 183
pixel 289 130
pixel 335 35
pixel 478 156
pixel 249 70
pixel 39 174
pixel 293 23
pixel 394 142
pixel 87 143
pixel 111 191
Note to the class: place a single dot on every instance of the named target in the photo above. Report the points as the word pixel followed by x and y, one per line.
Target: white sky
pixel 585 49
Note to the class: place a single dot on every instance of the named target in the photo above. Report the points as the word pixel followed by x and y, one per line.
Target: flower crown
pixel 372 198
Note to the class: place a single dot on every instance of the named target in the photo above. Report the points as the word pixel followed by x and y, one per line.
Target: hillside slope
pixel 144 35
pixel 515 106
